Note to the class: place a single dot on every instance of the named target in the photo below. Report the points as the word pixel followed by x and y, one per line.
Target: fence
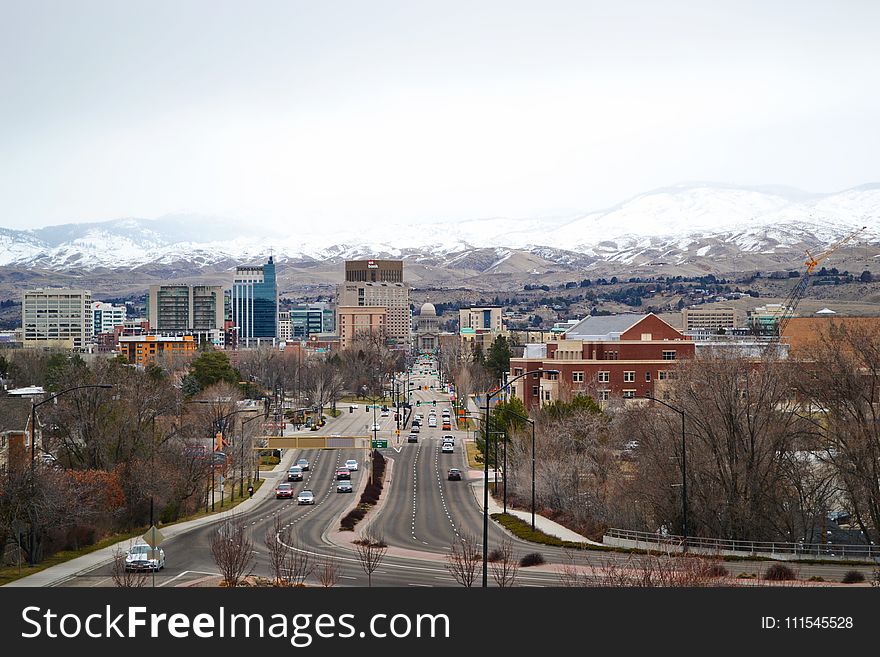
pixel 775 549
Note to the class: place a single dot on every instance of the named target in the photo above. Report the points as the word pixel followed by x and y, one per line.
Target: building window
pixel 546 395
pixel 611 355
pixel 603 395
pixel 553 376
pixel 629 394
pixel 629 376
pixel 577 377
pixel 648 376
pixel 535 391
pixel 604 377
pixel 669 355
pixel 662 375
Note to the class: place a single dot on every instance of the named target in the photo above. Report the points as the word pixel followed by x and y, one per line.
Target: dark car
pixel 283 490
pixel 295 474
pixel 415 428
pixel 343 473
pixel 344 486
pixel 454 474
pixel 304 464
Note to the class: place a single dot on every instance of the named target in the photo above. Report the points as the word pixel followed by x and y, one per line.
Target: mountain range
pixel 687 228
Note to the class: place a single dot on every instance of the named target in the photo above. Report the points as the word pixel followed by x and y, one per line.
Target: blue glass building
pixel 254 302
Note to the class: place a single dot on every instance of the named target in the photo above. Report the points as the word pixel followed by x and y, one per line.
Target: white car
pixel 447 448
pixel 432 421
pixel 142 557
pixel 384 413
pixel 305 497
pixel 351 464
pixel 449 438
pixel 376 427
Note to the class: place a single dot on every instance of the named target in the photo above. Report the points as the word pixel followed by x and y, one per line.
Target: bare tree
pixel 842 386
pixel 327 571
pixel 569 575
pixel 463 559
pixel 299 565
pixel 277 541
pixel 233 551
pixel 371 550
pixel 124 577
pixel 505 566
pixel 653 571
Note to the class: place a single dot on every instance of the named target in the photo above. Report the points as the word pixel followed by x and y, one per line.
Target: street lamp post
pixel 33 534
pixel 684 495
pixel 241 456
pixel 489 396
pixel 532 422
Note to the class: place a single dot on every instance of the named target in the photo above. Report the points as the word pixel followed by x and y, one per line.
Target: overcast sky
pixel 299 112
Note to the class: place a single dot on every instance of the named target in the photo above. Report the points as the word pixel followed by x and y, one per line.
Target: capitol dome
pixel 428 309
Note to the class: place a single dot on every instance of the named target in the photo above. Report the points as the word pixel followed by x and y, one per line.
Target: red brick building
pixel 613 355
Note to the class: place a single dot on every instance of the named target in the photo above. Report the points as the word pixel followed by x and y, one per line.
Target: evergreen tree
pixel 498 357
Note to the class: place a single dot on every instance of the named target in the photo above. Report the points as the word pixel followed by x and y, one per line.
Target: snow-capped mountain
pixel 671 226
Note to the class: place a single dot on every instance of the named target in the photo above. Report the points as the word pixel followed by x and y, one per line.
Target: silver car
pixel 305 497
pixel 142 557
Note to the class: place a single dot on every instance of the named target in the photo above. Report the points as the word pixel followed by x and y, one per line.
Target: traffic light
pixel 434 403
pixel 418 402
pixel 367 408
pixel 350 409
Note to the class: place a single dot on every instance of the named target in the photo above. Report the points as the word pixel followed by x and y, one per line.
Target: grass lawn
pixel 475 459
pixel 12 573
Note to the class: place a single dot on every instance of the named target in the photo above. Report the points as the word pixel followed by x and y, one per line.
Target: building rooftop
pixel 602 327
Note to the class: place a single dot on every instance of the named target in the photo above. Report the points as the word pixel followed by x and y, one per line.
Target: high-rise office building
pixel 106 317
pixel 379 283
pixel 181 307
pixel 355 322
pixel 254 303
pixel 309 319
pixel 56 317
pixel 374 271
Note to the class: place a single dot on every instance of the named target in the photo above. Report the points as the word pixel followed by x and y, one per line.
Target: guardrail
pixel 722 546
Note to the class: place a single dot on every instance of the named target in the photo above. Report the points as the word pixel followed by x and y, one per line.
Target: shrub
pixel 853 577
pixel 816 578
pixel 532 559
pixel 713 569
pixel 746 576
pixel 779 572
pixel 494 555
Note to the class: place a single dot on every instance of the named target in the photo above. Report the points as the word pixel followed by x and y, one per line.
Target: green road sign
pixel 379 444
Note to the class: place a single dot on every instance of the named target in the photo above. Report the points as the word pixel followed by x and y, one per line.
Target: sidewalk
pixel 57 574
pixel 544 524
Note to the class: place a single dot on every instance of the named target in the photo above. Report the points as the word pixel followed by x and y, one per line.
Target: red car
pixel 284 490
pixel 343 473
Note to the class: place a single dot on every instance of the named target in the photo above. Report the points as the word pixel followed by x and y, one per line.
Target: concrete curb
pixel 345 540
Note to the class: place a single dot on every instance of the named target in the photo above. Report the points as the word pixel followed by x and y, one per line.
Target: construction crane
pixel 798 291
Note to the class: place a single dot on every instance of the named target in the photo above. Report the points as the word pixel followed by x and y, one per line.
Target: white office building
pixel 57 317
pixel 106 316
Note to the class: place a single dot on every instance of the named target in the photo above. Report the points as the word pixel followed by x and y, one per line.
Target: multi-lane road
pixel 419 517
